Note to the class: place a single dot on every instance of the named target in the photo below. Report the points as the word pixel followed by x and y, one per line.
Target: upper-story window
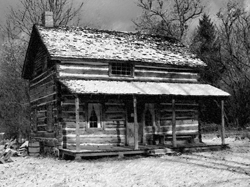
pixel 121 69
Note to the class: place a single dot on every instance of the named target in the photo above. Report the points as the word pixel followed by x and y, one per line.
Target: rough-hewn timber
pixel 100 71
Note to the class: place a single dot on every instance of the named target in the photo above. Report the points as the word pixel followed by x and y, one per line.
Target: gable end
pixel 36 56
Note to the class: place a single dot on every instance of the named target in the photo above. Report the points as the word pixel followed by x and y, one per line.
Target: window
pixel 93 120
pixel 121 69
pixel 94 115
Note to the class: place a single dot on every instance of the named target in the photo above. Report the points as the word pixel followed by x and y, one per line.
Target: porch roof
pixel 142 88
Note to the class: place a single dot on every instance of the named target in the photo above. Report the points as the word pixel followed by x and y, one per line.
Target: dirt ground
pixel 229 167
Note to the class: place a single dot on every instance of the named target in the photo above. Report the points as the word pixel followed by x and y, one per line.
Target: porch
pixel 135 117
pixel 145 150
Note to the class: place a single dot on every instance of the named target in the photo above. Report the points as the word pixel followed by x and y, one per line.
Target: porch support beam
pixel 135 123
pixel 222 123
pixel 77 123
pixel 174 143
pixel 143 126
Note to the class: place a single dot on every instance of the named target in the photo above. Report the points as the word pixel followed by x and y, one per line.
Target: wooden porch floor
pixel 95 151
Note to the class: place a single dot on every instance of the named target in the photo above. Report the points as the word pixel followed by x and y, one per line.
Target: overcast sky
pixel 113 14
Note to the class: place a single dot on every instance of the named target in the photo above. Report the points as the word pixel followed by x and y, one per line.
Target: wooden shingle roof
pixel 75 42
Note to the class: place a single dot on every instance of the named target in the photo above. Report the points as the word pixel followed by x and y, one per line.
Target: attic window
pixel 121 69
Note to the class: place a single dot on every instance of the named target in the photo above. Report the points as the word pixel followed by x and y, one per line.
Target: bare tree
pixel 20 20
pixel 170 17
pixel 235 42
pixel 14 103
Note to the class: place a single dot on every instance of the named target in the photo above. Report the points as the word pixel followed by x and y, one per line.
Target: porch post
pixel 77 123
pixel 173 124
pixel 135 123
pixel 222 123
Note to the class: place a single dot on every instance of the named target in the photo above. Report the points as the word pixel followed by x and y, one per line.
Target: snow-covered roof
pixel 76 42
pixel 141 88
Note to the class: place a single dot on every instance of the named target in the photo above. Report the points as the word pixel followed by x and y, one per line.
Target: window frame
pixel 131 66
pixel 98 114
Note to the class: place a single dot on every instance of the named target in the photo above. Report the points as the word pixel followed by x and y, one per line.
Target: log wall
pixel 112 131
pixel 44 106
pixel 100 71
pixel 186 119
pixel 114 120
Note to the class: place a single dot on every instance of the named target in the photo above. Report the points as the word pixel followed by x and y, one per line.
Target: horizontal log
pixel 163 67
pixel 180 104
pixel 72 131
pixel 186 117
pixel 115 109
pixel 67 100
pixel 90 147
pixel 41 114
pixel 48 78
pixel 45 99
pixel 179 122
pixel 178 133
pixel 44 104
pixel 43 75
pixel 70 146
pixel 72 113
pixel 70 107
pixel 41 122
pixel 101 136
pixel 114 104
pixel 43 92
pixel 102 139
pixel 179 128
pixel 167 75
pixel 70 116
pixel 103 77
pixel 80 75
pixel 36 90
pixel 163 71
pixel 178 110
pixel 86 71
pixel 72 124
pixel 167 129
pixel 80 62
pixel 113 124
pixel 84 66
pixel 181 117
pixel 113 117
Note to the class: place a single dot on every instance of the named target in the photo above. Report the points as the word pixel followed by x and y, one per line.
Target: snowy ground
pixel 221 168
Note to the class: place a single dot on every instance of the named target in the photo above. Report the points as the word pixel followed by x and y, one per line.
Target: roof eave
pixel 115 60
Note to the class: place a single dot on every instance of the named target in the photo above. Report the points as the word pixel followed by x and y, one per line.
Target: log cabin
pixel 95 89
